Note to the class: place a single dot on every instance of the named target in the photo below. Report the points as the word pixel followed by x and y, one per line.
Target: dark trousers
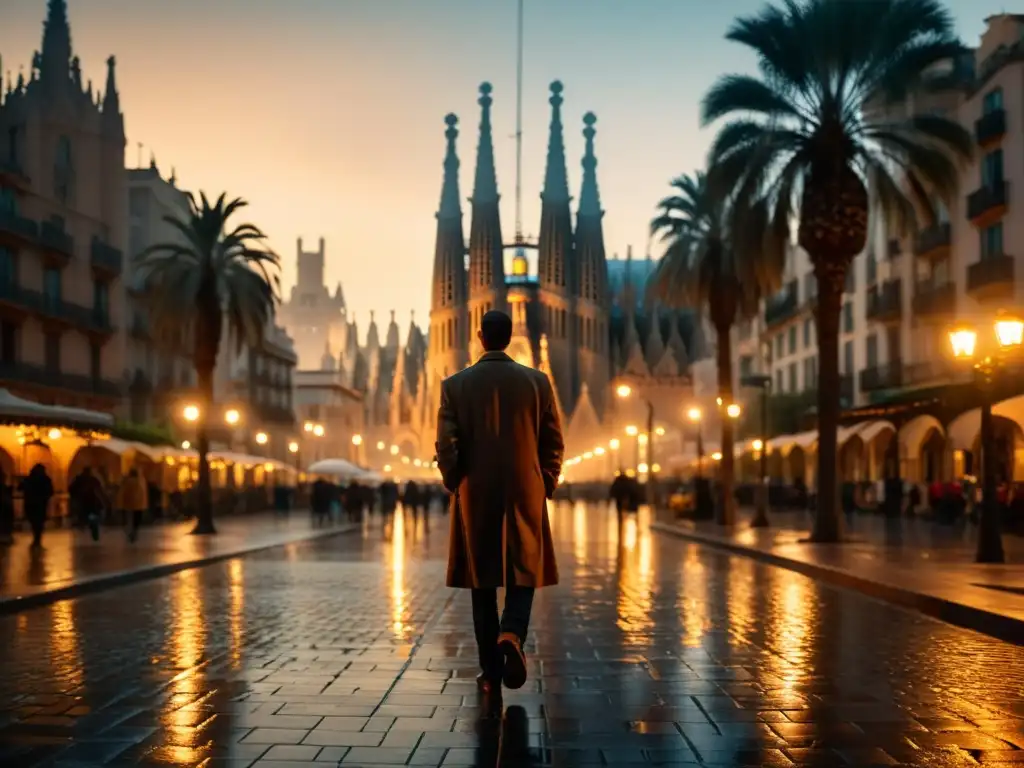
pixel 487 626
pixel 135 520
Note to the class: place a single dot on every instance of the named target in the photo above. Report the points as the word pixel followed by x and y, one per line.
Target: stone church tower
pixel 447 352
pixel 556 262
pixel 486 249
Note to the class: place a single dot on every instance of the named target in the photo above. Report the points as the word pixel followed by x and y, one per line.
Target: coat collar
pixel 500 357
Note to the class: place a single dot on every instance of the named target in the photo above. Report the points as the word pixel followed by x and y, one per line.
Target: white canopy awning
pixel 873 429
pixel 786 443
pixel 121 447
pixel 339 468
pixel 13 407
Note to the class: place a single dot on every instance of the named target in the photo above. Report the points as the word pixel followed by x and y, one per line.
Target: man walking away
pixel 86 493
pixel 133 498
pixel 388 499
pixel 499 449
pixel 37 490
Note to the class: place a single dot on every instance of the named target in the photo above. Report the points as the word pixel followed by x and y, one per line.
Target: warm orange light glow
pixel 716 456
pixel 614 443
pixel 232 416
pixel 53 434
pixel 308 426
pixel 293 447
pixel 641 468
pixel 262 438
pixel 357 439
pixel 599 451
pixel 963 341
pixel 732 411
pixel 190 412
pixel 380 445
pixel 623 390
pixel 1009 332
pixel 693 414
pixel 318 430
pixel 659 431
pixel 757 445
pixel 394 450
pixel 185 445
pixel 631 430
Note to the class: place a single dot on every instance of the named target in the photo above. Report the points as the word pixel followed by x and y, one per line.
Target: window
pixel 8 342
pixel 52 352
pixel 792 339
pixel 810 287
pixel 792 377
pixel 100 300
pixel 814 372
pixel 993 101
pixel 992 169
pixel 778 381
pixel 95 361
pixel 808 373
pixel 808 325
pixel 780 346
pixel 746 366
pixel 851 279
pixel 8 272
pixel 63 173
pixel 51 283
pixel 848 317
pixel 872 269
pixel 872 351
pixel 8 202
pixel 991 240
pixel 848 358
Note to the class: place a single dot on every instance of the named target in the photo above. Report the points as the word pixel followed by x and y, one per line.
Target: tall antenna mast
pixel 519 129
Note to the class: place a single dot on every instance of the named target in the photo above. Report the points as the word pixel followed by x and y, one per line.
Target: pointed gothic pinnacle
pixel 556 182
pixel 485 186
pixel 590 198
pixel 450 207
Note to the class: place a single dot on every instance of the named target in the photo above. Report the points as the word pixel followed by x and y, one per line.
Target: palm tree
pixel 209 276
pixel 811 134
pixel 706 266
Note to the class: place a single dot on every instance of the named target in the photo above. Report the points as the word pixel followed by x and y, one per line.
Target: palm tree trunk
pixel 830 305
pixel 204 500
pixel 725 510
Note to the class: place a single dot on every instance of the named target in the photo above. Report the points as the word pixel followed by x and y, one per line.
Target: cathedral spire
pixel 55 56
pixel 590 198
pixel 111 100
pixel 485 187
pixel 556 181
pixel 486 253
pixel 450 207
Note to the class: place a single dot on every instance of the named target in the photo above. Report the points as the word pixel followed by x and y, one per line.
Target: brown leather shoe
pixel 511 649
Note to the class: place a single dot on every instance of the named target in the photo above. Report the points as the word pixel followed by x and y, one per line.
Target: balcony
pixel 12 175
pixel 990 128
pixel 933 242
pixel 927 372
pixel 56 243
pixel 106 258
pixel 885 302
pixel 846 390
pixel 881 377
pixel 17 231
pixel 987 204
pixel 782 307
pixel 38 376
pixel 935 301
pixel 991 278
pixel 55 310
pixel 273 414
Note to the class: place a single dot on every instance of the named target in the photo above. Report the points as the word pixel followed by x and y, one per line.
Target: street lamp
pixel 357 439
pixel 761 513
pixel 190 413
pixel 262 438
pixel 318 430
pixel 624 390
pixel 232 417
pixel 293 447
pixel 988 362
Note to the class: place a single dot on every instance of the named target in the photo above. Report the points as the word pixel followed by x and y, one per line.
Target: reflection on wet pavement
pixel 349 650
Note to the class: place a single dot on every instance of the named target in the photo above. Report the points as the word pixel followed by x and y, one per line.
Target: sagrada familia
pixel 582 318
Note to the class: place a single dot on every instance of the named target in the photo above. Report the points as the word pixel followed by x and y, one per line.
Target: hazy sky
pixel 327 115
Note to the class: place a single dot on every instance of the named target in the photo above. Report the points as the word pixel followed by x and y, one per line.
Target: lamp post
pixel 987 362
pixel 761 512
pixel 695 415
pixel 624 391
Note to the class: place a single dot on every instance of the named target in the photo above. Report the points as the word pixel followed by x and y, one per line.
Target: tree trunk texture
pixel 830 305
pixel 204 489
pixel 725 510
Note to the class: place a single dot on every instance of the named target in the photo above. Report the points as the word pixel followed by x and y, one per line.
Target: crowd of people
pixel 354 500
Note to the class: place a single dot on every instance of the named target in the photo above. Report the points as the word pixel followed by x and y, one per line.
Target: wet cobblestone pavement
pixel 349 651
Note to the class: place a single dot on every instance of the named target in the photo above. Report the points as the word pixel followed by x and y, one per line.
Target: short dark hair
pixel 496 330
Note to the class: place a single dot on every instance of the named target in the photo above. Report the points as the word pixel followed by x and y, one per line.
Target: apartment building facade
pixel 62 217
